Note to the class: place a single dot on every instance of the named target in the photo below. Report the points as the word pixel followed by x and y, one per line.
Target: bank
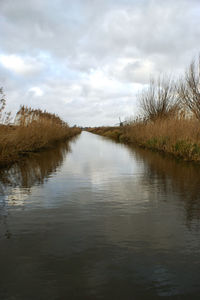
pixel 177 137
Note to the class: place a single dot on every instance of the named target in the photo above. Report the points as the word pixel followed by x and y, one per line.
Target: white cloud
pixel 19 65
pixel 37 91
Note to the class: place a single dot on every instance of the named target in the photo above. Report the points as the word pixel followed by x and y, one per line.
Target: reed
pixel 180 137
pixel 32 130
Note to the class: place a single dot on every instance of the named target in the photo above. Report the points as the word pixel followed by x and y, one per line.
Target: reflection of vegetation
pixel 174 175
pixel 17 180
pixel 35 169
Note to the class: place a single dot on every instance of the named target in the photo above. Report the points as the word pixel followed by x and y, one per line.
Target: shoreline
pixel 14 153
pixel 182 149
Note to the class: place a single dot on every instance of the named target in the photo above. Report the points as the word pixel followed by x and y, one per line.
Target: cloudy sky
pixel 86 60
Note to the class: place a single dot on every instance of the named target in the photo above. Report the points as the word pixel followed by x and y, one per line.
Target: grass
pixel 110 132
pixel 32 131
pixel 179 137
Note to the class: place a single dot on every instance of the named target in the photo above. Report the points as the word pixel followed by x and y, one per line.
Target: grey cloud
pixel 125 40
pixel 94 30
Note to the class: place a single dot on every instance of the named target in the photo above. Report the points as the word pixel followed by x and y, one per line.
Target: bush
pixel 159 100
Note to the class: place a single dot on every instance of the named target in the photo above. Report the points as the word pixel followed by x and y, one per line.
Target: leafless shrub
pixel 159 100
pixel 189 88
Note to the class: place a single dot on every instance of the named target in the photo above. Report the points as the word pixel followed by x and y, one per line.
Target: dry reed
pixel 32 130
pixel 180 137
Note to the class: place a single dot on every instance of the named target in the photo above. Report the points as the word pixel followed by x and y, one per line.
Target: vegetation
pixel 159 100
pixel 31 131
pixel 189 89
pixel 170 120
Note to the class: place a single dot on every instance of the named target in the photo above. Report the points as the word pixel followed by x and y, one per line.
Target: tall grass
pixel 32 130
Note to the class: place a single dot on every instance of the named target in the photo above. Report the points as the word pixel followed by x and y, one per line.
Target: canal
pixel 99 220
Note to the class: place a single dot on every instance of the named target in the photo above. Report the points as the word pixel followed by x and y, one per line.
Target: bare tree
pixel 189 88
pixel 159 100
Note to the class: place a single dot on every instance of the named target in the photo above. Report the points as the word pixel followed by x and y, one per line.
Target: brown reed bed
pixel 179 137
pixel 32 131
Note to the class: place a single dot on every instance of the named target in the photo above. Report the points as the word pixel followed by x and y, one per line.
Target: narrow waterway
pixel 99 220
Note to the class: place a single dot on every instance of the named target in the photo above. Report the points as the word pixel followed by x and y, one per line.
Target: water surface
pixel 99 220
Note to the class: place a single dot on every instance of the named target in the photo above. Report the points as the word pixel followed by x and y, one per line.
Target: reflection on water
pixel 16 181
pixel 175 175
pixel 102 221
pixel 33 170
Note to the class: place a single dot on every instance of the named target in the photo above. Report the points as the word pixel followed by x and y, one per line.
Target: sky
pixel 87 60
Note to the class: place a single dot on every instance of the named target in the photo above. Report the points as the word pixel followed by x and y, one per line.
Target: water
pixel 99 220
